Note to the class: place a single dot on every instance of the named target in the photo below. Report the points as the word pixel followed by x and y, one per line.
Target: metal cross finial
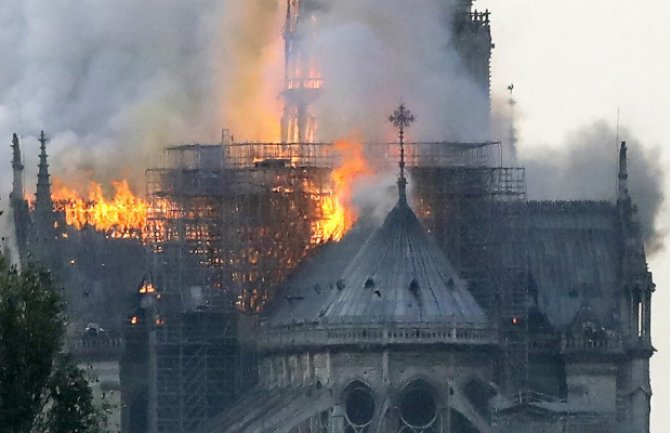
pixel 402 118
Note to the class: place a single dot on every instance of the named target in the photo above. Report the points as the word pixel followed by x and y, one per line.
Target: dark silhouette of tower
pixel 471 33
pixel 18 203
pixel 44 218
pixel 636 293
pixel 17 167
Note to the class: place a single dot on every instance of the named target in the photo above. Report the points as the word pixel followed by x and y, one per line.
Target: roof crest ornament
pixel 402 118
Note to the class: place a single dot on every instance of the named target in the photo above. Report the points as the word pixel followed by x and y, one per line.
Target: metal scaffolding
pixel 233 220
pixel 479 217
pixel 200 369
pixel 229 222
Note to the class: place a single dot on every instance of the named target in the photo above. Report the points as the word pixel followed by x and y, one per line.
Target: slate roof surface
pixel 399 274
pixel 262 409
pixel 574 259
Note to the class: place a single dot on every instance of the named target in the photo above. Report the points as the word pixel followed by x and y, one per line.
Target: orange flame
pixel 338 210
pixel 123 216
pixel 147 287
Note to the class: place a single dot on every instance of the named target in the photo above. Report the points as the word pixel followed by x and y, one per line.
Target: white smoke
pixel 375 196
pixel 371 56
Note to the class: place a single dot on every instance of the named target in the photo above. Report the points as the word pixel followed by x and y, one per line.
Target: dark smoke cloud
pixel 585 167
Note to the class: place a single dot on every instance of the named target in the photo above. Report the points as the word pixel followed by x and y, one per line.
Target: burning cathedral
pixel 245 295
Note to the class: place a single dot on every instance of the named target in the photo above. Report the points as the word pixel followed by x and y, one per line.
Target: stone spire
pixel 627 210
pixel 637 280
pixel 402 118
pixel 44 220
pixel 43 201
pixel 17 166
pixel 20 213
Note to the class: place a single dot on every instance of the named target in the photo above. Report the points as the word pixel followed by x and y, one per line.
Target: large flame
pixel 122 216
pixel 338 210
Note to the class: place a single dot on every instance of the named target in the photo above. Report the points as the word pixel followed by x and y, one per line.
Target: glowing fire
pixel 338 211
pixel 147 287
pixel 122 216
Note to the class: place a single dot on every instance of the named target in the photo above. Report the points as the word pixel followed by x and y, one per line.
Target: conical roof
pixel 398 275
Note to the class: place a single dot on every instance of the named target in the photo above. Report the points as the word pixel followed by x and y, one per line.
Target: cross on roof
pixel 402 118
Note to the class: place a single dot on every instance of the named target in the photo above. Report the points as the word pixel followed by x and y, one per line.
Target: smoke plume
pixel 114 82
pixel 251 68
pixel 585 167
pixel 372 56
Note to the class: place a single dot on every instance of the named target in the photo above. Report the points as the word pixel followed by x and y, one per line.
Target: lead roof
pixel 398 275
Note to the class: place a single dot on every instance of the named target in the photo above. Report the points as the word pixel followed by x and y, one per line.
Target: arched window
pixel 418 405
pixel 359 407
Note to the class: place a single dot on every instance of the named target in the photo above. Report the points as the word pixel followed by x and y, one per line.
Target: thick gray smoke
pixel 114 81
pixel 372 55
pixel 586 166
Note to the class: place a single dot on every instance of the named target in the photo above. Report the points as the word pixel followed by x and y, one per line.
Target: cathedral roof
pixel 573 255
pixel 398 275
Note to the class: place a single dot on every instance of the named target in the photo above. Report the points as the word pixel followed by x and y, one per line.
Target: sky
pixel 574 63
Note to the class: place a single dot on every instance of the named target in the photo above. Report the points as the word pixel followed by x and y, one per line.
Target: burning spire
pixel 402 118
pixel 302 78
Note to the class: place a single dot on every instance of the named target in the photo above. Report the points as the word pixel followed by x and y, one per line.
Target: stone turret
pixel 635 314
pixel 636 278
